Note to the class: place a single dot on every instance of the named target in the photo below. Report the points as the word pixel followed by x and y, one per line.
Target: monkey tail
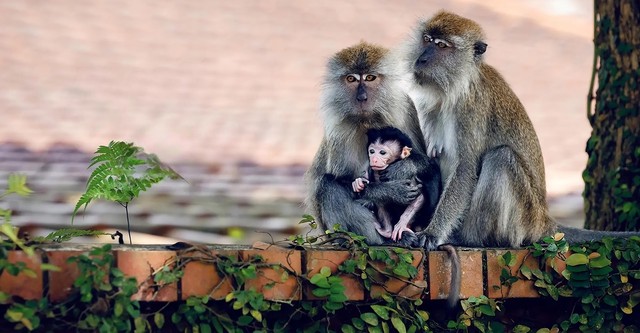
pixel 577 235
pixel 456 275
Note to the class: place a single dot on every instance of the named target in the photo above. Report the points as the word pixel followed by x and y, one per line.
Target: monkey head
pixel 354 84
pixel 445 50
pixel 387 145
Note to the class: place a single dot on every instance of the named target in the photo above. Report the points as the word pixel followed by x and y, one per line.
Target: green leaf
pixel 244 320
pixel 205 328
pixel 358 323
pixel 401 271
pixel 321 292
pixel 158 319
pixel 338 298
pixel 17 183
pixel 256 314
pixel 521 329
pixel 423 314
pixel 526 271
pixel 577 259
pixel 599 262
pixel 370 318
pixel 346 328
pixel 332 306
pixel 118 309
pixel 325 271
pixel 381 311
pixel 14 315
pixel 486 309
pixel 320 281
pixel 398 324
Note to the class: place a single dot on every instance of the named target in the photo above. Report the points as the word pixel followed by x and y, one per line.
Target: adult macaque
pixel 362 90
pixel 492 168
pixel 387 146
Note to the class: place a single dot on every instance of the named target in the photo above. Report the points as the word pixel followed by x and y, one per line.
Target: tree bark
pixel 612 175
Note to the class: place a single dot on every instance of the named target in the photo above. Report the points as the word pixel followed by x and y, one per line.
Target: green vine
pixel 597 292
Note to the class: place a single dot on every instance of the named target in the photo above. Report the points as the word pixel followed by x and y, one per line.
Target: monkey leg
pixel 385 227
pixel 337 206
pixel 407 218
pixel 504 210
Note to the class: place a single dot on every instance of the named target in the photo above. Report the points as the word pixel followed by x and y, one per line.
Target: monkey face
pixel 438 60
pixel 382 154
pixel 363 89
pixel 355 82
pixel 447 48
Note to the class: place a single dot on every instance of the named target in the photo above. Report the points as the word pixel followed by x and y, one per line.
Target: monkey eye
pixel 427 38
pixel 370 77
pixel 371 151
pixel 351 78
pixel 382 152
pixel 441 43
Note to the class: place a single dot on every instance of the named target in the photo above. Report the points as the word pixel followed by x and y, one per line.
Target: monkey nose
pixel 361 93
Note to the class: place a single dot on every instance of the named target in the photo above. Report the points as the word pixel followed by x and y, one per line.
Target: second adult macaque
pixel 385 147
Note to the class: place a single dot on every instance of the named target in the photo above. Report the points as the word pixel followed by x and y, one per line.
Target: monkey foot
pixel 398 230
pixel 384 232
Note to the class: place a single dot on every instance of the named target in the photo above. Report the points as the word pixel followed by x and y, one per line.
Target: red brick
pixel 287 289
pixel 140 263
pixel 440 274
pixel 316 259
pixel 61 283
pixel 22 285
pixel 521 288
pixel 202 278
pixel 413 289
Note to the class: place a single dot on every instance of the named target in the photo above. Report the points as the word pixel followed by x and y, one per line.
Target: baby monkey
pixel 386 146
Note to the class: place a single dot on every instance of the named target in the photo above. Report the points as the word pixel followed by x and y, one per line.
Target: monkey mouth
pixel 378 168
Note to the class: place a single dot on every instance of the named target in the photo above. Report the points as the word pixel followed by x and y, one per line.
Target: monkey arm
pixel 401 169
pixel 407 218
pixel 398 192
pixel 451 207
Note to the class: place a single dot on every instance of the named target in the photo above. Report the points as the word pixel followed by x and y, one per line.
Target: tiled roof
pixel 228 82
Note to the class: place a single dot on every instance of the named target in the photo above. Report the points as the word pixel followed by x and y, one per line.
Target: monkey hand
pixel 403 192
pixel 403 169
pixel 359 184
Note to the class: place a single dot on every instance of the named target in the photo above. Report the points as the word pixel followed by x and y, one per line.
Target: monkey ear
pixel 479 48
pixel 406 151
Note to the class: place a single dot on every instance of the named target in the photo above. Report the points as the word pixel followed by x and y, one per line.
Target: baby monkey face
pixel 382 154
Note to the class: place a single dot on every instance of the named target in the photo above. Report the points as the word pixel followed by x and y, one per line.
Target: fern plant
pixel 122 172
pixel 16 184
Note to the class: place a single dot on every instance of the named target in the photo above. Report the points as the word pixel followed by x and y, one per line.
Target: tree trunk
pixel 612 175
